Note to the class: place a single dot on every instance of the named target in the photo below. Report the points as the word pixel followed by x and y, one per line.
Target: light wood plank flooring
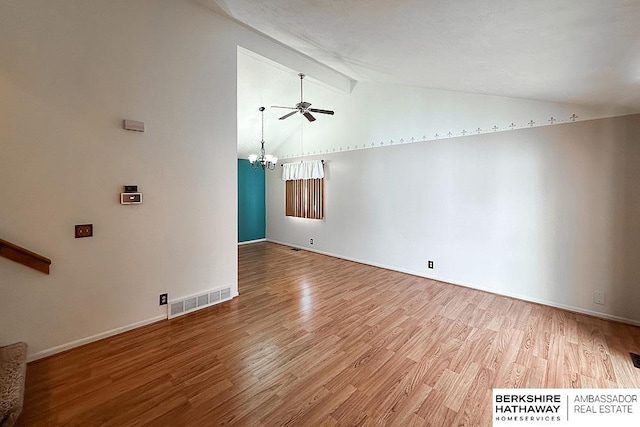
pixel 314 340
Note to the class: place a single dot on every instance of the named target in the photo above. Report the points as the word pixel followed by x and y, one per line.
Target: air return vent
pixel 196 302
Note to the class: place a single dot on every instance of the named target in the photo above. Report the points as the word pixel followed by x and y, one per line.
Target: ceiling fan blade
pixel 309 116
pixel 315 110
pixel 288 108
pixel 287 115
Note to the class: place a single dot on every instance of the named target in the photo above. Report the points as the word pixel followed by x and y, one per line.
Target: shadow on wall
pixel 591 204
pixel 624 288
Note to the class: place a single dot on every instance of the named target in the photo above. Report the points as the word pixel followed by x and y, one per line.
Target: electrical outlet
pixel 163 299
pixel 311 241
pixel 430 264
pixel 84 230
pixel 599 297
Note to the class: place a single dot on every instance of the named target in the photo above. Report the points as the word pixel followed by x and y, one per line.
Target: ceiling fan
pixel 303 107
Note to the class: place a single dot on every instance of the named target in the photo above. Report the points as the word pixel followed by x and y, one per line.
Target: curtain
pixel 312 169
pixel 304 198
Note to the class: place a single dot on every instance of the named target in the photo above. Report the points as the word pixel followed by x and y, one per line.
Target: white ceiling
pixel 262 82
pixel 572 51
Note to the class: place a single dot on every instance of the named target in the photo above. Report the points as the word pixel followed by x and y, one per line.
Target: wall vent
pixel 195 302
pixel 214 296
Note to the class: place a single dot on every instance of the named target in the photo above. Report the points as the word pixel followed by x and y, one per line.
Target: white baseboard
pixel 251 241
pixel 87 340
pixel 479 288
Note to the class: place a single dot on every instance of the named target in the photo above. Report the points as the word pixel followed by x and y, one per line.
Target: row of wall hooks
pixel 464 132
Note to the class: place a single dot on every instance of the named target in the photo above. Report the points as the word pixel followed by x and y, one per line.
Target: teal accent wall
pixel 251 202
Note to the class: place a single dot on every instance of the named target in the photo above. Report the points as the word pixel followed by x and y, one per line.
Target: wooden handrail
pixel 24 256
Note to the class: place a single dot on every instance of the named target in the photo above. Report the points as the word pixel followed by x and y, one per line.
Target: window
pixel 305 198
pixel 304 189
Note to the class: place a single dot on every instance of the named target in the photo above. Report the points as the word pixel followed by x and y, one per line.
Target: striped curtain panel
pixel 304 189
pixel 305 198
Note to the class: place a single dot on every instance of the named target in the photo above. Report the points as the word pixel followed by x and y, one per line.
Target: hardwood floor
pixel 314 340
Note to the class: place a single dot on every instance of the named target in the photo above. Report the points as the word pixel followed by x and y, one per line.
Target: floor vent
pixel 295 249
pixel 196 302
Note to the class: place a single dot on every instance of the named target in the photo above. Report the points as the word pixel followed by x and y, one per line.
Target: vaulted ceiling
pixel 574 51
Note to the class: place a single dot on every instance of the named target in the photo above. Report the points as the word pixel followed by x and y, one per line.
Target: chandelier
pixel 267 161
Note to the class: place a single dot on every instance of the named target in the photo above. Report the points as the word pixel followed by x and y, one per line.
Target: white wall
pixel 375 115
pixel 547 214
pixel 70 72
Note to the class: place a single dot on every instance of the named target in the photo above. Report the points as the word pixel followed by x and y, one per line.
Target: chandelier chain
pixel 267 161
